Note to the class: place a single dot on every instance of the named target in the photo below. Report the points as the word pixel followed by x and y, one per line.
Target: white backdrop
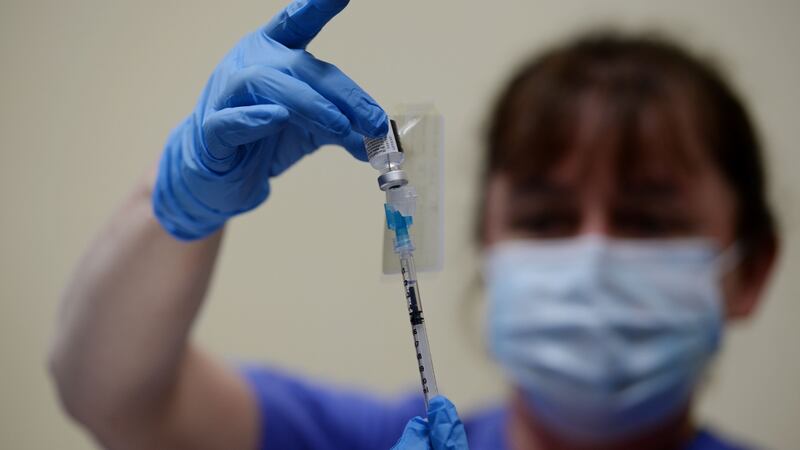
pixel 90 89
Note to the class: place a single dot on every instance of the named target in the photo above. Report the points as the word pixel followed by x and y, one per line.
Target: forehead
pixel 620 144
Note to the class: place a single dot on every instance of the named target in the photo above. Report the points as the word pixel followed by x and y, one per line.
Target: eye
pixel 545 223
pixel 641 223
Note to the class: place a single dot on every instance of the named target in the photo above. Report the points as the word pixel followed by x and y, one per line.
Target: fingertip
pixel 360 155
pixel 354 144
pixel 276 115
pixel 330 5
pixel 381 126
pixel 299 22
pixel 415 435
pixel 372 116
pixel 442 411
pixel 439 402
pixel 228 128
pixel 418 427
pixel 279 113
pixel 418 422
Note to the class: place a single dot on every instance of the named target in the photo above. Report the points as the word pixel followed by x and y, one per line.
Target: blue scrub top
pixel 299 414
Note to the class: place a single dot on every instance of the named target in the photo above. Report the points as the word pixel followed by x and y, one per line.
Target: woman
pixel 624 221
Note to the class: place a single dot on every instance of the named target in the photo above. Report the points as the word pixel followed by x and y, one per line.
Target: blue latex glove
pixel 267 104
pixel 442 431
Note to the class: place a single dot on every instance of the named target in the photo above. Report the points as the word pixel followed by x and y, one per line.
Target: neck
pixel 526 433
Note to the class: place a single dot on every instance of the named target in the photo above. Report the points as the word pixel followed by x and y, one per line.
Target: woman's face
pixel 568 202
pixel 588 192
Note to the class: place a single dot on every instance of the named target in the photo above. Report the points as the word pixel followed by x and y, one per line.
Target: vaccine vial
pixel 385 154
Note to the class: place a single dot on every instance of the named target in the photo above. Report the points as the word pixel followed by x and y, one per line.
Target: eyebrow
pixel 627 191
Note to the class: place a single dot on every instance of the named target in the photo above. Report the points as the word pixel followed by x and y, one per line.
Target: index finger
pixel 297 24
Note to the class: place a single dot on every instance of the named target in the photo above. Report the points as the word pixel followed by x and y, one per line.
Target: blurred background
pixel 89 90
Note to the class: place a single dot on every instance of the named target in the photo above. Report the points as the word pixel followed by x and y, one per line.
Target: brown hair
pixel 535 118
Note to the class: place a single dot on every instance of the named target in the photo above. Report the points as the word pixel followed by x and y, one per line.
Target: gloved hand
pixel 442 431
pixel 267 104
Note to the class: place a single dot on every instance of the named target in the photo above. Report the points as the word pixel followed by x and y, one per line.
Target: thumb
pixel 225 130
pixel 446 430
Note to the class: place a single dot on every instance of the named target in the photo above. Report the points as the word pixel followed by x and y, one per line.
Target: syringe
pixel 426 374
pixel 386 155
pixel 400 203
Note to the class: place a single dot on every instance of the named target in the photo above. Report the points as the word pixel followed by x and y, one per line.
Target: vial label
pixel 383 145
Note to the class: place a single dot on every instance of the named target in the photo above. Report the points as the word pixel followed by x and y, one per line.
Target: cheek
pixel 716 209
pixel 495 213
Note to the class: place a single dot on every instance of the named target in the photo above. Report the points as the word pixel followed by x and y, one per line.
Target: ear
pixel 746 289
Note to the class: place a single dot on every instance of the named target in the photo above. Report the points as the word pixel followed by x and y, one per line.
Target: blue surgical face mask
pixel 605 337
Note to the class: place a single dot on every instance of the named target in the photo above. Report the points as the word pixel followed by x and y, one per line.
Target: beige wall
pixel 89 89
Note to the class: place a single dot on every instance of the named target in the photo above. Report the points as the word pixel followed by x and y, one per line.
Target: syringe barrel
pixel 419 333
